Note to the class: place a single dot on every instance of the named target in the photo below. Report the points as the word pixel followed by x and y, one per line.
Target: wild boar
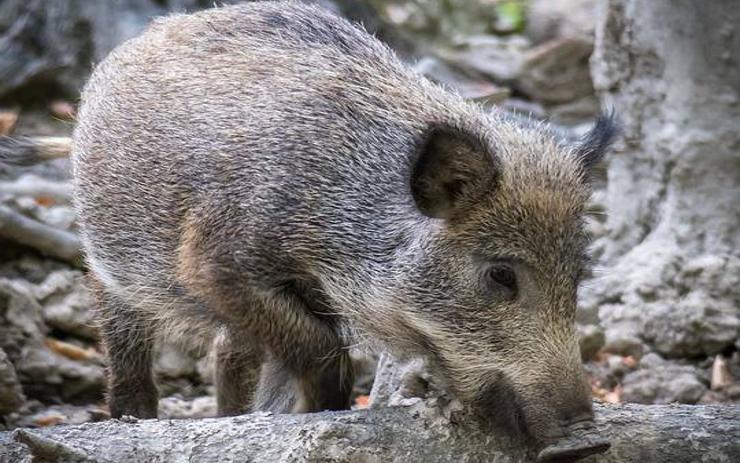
pixel 274 174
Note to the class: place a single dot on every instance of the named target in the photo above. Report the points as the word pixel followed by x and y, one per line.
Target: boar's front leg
pixel 238 361
pixel 321 385
pixel 243 282
pixel 308 368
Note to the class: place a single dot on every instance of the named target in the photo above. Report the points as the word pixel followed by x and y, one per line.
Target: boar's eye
pixel 502 279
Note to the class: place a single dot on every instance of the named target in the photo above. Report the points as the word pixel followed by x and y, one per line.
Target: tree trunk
pixel 671 69
pixel 418 433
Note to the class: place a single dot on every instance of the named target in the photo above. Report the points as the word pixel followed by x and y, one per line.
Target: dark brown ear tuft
pixel 450 168
pixel 594 145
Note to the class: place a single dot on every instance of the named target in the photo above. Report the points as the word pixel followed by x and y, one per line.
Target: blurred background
pixel 659 320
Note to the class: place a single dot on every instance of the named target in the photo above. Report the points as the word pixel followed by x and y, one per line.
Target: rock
pixel 176 407
pixel 550 19
pixel 557 71
pixel 679 307
pixel 172 362
pixel 673 195
pixel 48 43
pixel 591 339
pixel 68 304
pixel 661 382
pixel 52 415
pixel 48 46
pixel 44 374
pixel 499 58
pixel 580 111
pixel 62 217
pixel 468 85
pixel 11 393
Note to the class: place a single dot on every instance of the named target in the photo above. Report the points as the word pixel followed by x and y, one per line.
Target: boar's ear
pixel 451 168
pixel 594 145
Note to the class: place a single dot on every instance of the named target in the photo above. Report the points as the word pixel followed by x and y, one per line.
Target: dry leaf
pixel 50 420
pixel 62 109
pixel 605 395
pixel 70 350
pixel 362 401
pixel 8 119
pixel 44 201
pixel 615 396
pixel 629 362
pixel 721 375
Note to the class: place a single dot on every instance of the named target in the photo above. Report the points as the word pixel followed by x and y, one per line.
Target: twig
pixel 51 241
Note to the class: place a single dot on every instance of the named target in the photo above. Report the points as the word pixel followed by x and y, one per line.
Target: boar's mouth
pixel 501 407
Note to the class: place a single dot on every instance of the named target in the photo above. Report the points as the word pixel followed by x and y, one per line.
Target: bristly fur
pixel 256 171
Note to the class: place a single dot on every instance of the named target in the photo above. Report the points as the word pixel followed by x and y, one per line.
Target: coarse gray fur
pixel 272 173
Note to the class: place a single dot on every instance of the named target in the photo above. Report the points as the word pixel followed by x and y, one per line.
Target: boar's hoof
pixel 573 448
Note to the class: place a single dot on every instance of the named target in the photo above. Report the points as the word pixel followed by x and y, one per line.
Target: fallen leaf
pixel 605 395
pixel 70 350
pixel 44 201
pixel 362 401
pixel 615 396
pixel 62 109
pixel 629 362
pixel 8 119
pixel 721 376
pixel 50 420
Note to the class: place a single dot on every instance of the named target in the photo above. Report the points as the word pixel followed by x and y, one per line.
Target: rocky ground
pixel 52 365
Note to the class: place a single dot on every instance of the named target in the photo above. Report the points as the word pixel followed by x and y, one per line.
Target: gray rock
pixel 549 19
pixel 557 71
pixel 679 307
pixel 62 217
pixel 175 407
pixel 68 304
pixel 673 192
pixel 468 85
pixel 60 414
pixel 591 339
pixel 54 42
pixel 499 58
pixel 44 374
pixel 172 362
pixel 11 392
pixel 580 111
pixel 661 382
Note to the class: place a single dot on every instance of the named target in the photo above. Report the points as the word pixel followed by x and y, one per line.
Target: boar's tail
pixel 27 151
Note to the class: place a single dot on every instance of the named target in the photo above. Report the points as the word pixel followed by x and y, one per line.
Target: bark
pixel 670 68
pixel 416 433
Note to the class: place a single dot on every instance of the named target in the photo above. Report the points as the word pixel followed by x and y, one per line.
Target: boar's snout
pixel 568 434
pixel 557 417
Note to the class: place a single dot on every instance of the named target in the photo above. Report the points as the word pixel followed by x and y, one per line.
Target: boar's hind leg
pixel 322 385
pixel 237 371
pixel 129 342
